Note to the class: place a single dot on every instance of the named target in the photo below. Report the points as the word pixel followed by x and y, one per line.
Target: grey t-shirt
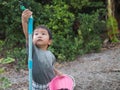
pixel 42 66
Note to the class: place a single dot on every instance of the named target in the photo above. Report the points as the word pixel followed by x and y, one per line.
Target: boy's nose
pixel 39 36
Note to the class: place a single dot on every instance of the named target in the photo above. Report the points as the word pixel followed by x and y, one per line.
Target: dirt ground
pixel 95 71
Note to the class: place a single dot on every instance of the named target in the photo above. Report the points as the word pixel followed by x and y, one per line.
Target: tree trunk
pixel 117 12
pixel 111 8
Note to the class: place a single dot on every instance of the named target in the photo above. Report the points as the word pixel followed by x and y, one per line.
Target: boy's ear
pixel 50 42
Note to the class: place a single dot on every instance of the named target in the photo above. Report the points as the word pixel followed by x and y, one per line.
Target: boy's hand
pixel 57 72
pixel 25 15
pixel 60 74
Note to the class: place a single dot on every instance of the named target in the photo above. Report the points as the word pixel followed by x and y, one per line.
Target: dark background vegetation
pixel 78 27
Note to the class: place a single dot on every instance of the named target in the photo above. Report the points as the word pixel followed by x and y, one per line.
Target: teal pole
pixel 30 31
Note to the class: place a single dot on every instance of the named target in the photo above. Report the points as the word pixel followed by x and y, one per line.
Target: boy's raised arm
pixel 25 16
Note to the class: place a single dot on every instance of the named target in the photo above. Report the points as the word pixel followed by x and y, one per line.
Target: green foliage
pixel 59 20
pixel 20 56
pixel 2 70
pixel 59 16
pixel 10 22
pixel 4 83
pixel 1 45
pixel 90 33
pixel 78 4
pixel 97 3
pixel 6 60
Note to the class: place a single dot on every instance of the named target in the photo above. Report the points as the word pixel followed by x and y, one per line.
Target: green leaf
pixel 7 60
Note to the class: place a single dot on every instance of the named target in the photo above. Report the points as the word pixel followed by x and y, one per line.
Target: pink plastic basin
pixel 64 82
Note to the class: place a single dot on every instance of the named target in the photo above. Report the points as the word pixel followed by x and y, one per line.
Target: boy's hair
pixel 48 30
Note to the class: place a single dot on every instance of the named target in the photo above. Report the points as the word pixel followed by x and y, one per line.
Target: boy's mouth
pixel 39 40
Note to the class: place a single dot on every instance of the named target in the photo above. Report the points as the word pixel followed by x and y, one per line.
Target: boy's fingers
pixel 27 12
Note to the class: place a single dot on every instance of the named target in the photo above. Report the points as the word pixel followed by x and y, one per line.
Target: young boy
pixel 43 60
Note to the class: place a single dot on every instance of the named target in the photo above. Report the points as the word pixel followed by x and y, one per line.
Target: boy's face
pixel 41 38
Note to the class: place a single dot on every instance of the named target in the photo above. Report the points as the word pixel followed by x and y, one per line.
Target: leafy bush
pixel 4 82
pixel 20 56
pixel 90 34
pixel 57 16
pixel 59 20
pixel 13 44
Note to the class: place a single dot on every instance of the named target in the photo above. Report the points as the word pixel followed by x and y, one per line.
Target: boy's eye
pixel 43 33
pixel 36 33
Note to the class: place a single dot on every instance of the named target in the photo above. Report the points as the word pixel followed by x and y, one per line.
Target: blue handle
pixel 30 25
pixel 30 31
